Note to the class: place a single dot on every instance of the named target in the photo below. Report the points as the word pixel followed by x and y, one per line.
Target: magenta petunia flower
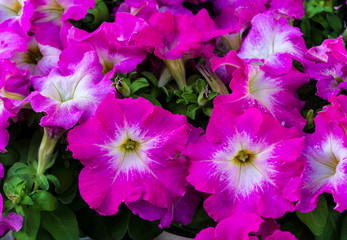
pixel 130 151
pixel 50 15
pixel 16 14
pixel 274 43
pixel 70 95
pixel 325 156
pixel 170 35
pixel 328 66
pixel 248 163
pixel 233 228
pixel 272 94
pixel 13 221
pixel 113 42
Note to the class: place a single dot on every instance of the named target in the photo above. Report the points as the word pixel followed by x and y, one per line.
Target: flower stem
pixel 48 142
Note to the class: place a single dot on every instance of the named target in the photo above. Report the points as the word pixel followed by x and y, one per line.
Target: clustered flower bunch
pixel 212 119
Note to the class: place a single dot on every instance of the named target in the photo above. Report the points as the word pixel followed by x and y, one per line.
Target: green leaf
pixel 53 179
pixel 316 219
pixel 212 95
pixel 31 224
pixel 19 169
pixel 19 210
pixel 140 229
pixel 61 223
pixel 191 110
pixel 334 22
pixel 138 84
pixel 189 97
pixel 200 85
pixel 332 227
pixel 10 157
pixel 344 229
pixel 42 181
pixel 152 99
pixel 207 111
pixel 150 77
pixel 26 200
pixel 43 234
pixel 44 201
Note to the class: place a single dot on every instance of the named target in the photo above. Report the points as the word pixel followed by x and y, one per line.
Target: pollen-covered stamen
pixel 243 157
pixel 129 145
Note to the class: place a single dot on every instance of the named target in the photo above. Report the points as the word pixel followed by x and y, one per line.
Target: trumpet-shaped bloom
pixel 38 59
pixel 273 42
pixel 326 159
pixel 328 66
pixel 70 95
pixel 272 94
pixel 248 163
pixel 13 221
pixel 50 15
pixel 113 42
pixel 129 149
pixel 170 35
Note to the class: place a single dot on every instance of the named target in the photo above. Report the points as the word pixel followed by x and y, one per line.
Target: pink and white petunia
pixel 38 59
pixel 129 149
pixel 16 14
pixel 70 95
pixel 50 16
pixel 13 221
pixel 273 43
pixel 328 66
pixel 248 163
pixel 272 94
pixel 326 160
pixel 113 42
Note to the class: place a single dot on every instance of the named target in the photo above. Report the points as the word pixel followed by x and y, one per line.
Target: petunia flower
pixel 272 94
pixel 38 59
pixel 16 14
pixel 50 16
pixel 130 151
pixel 70 95
pixel 248 163
pixel 11 222
pixel 328 66
pixel 113 42
pixel 325 156
pixel 273 43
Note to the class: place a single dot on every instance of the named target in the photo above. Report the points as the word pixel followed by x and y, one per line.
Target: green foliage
pixel 316 219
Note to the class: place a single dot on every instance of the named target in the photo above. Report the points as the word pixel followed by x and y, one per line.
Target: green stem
pixel 48 142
